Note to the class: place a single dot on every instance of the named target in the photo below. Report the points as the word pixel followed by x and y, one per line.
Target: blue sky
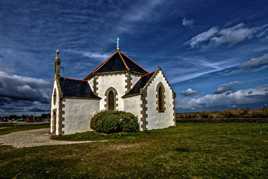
pixel 215 53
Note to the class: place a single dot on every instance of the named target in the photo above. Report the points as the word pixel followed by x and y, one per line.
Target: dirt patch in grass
pixel 33 138
pixel 9 128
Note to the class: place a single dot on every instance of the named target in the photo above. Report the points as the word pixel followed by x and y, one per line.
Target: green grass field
pixel 190 150
pixel 8 128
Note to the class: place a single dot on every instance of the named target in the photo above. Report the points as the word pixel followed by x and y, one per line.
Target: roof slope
pixel 139 85
pixel 76 88
pixel 117 62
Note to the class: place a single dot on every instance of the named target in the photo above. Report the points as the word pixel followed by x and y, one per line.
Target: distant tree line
pixel 250 115
pixel 25 118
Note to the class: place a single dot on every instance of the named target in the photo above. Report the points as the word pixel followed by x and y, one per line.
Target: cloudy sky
pixel 215 53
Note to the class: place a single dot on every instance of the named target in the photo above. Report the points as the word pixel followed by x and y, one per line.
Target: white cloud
pixel 229 36
pixel 89 54
pixel 95 55
pixel 256 62
pixel 226 87
pixel 189 92
pixel 141 12
pixel 187 22
pixel 227 99
pixel 189 76
pixel 203 37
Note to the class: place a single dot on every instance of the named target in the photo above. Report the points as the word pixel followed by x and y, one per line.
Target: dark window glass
pixel 161 99
pixel 111 100
pixel 54 97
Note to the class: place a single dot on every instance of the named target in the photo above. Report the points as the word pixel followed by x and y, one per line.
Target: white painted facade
pixel 116 81
pixel 54 122
pixel 157 120
pixel 78 113
pixel 133 105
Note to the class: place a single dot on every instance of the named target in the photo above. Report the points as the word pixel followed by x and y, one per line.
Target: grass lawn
pixel 8 128
pixel 190 150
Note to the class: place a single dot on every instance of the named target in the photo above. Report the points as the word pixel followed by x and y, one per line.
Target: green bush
pixel 129 124
pixel 94 120
pixel 114 121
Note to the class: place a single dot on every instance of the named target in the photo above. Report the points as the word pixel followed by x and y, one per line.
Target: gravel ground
pixel 33 138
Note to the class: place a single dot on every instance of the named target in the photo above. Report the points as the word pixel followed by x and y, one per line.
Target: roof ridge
pixel 123 60
pixel 134 62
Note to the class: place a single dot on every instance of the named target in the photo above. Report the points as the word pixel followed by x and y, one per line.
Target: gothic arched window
pixel 160 98
pixel 111 99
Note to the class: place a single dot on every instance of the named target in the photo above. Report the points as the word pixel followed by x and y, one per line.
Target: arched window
pixel 160 98
pixel 111 100
pixel 54 97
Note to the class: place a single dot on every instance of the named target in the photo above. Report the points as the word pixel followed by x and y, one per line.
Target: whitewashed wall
pixel 155 119
pixel 118 82
pixel 77 114
pixel 133 105
pixel 55 107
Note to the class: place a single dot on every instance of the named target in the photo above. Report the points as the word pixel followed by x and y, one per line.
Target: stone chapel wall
pixel 77 114
pixel 155 119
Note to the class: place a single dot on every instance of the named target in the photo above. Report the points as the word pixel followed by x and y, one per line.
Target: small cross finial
pixel 117 43
pixel 58 52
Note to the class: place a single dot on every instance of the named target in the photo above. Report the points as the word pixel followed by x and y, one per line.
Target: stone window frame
pixel 160 85
pixel 115 98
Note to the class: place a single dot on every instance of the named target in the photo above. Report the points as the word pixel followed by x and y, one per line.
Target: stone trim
pixel 164 104
pixel 128 82
pixel 106 98
pixel 144 108
pixel 144 114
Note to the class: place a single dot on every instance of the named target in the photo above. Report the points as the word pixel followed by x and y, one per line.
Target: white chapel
pixel 118 83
